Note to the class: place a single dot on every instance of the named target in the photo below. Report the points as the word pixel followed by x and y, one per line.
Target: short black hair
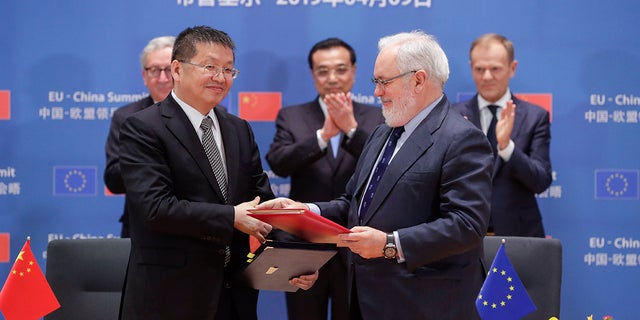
pixel 328 44
pixel 184 47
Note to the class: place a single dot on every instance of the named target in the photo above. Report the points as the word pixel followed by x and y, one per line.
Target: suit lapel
pixel 369 157
pixel 413 149
pixel 231 149
pixel 472 112
pixel 180 126
pixel 521 116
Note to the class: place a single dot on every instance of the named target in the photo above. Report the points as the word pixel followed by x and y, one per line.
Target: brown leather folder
pixel 274 263
pixel 302 223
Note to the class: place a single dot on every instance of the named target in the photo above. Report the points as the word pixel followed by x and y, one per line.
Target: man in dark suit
pixel 156 74
pixel 191 171
pixel 318 143
pixel 521 139
pixel 418 201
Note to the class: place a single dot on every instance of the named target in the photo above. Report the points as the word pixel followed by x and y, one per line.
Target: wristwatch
pixel 390 251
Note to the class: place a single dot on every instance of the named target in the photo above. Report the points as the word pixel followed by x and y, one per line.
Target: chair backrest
pixel 538 262
pixel 87 275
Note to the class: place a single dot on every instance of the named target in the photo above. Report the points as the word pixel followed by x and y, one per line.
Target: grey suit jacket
pixel 435 194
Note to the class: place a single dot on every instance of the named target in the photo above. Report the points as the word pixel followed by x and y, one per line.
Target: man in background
pixel 317 144
pixel 519 133
pixel 156 74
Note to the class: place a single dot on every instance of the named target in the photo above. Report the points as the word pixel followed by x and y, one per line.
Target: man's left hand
pixel 305 281
pixel 366 242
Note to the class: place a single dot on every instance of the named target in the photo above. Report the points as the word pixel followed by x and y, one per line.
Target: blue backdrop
pixel 66 66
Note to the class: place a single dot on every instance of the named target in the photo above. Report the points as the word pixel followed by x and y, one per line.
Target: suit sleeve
pixel 112 176
pixel 530 164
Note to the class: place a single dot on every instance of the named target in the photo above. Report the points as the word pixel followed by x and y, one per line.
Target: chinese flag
pixel 5 105
pixel 4 247
pixel 542 99
pixel 259 106
pixel 26 295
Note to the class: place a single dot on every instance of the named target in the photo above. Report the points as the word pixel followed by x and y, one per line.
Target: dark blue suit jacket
pixel 514 208
pixel 180 223
pixel 435 194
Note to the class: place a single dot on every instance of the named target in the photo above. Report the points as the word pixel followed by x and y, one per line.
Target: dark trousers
pixel 331 286
pixel 354 311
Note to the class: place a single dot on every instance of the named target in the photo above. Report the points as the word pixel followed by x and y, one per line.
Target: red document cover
pixel 302 223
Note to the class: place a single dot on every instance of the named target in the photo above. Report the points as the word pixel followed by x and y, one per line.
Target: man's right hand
pixel 282 203
pixel 329 129
pixel 248 224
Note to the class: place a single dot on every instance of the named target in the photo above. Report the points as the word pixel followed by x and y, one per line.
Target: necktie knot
pixel 206 124
pixel 493 108
pixel 396 133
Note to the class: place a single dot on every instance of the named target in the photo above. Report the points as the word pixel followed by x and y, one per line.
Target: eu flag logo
pixel 74 181
pixel 503 296
pixel 616 184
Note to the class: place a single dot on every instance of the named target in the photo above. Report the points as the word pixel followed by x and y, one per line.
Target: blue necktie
pixel 379 170
pixel 491 132
pixel 335 145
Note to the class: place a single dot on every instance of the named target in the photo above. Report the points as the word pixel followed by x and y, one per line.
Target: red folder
pixel 302 223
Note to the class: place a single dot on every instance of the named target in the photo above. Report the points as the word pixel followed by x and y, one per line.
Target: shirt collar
pixel 502 102
pixel 413 123
pixel 195 117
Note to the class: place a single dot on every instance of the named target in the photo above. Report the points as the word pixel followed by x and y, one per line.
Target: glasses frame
pixel 151 70
pixel 215 71
pixel 383 83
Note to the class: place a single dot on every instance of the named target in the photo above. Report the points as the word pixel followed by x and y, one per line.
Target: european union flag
pixel 74 181
pixel 503 296
pixel 616 184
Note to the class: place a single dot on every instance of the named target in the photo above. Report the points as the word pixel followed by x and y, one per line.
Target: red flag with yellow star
pixel 259 106
pixel 26 294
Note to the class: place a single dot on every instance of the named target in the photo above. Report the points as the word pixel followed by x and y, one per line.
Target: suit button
pixel 221 251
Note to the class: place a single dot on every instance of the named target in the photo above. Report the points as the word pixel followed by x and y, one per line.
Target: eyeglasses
pixel 326 72
pixel 383 83
pixel 214 71
pixel 154 72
